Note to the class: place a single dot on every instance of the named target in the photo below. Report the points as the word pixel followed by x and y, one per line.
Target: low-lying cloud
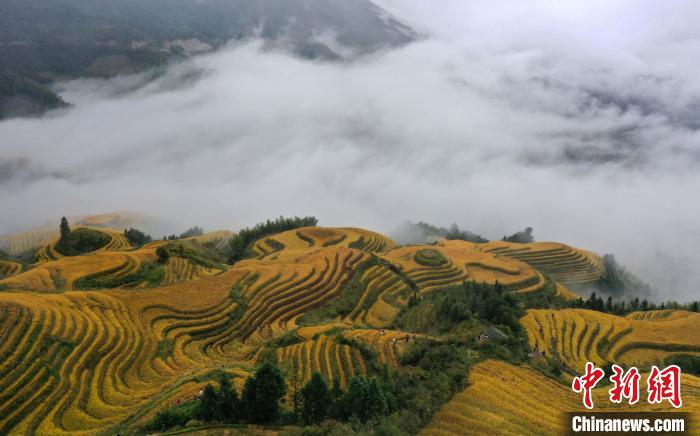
pixel 580 121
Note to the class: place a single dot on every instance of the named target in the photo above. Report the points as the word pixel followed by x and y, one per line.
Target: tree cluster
pixel 79 241
pixel 618 281
pixel 136 237
pixel 422 232
pixel 365 400
pixel 258 403
pixel 191 232
pixel 462 306
pixel 623 307
pixel 522 237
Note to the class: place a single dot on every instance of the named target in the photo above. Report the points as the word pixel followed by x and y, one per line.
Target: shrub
pixel 162 254
pixel 82 240
pixel 177 416
pixel 149 272
pixel 198 253
pixel 136 237
pixel 429 257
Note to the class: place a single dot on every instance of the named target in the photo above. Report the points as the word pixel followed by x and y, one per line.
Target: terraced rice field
pixel 324 354
pixel 388 345
pixel 289 244
pixel 59 275
pixel 219 238
pixel 577 336
pixel 503 399
pixel 115 220
pixel 18 243
pixel 178 269
pixel 81 361
pixel 9 268
pixel 569 266
pixel 100 360
pixel 117 243
pixel 464 262
pixel 291 288
pixel 28 241
pixel 47 252
pixel 385 293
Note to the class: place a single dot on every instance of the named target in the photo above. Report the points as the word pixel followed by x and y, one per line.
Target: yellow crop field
pixel 101 342
pixel 509 400
pixel 219 238
pixel 659 315
pixel 59 275
pixel 119 220
pixel 9 268
pixel 30 240
pixel 389 344
pixel 464 262
pixel 18 243
pixel 577 336
pixel 570 266
pixel 178 269
pixel 386 292
pixel 324 354
pixel 117 243
pixel 81 361
pixel 289 244
pixel 104 361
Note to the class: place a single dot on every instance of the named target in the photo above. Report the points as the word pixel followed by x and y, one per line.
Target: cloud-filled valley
pixel 581 122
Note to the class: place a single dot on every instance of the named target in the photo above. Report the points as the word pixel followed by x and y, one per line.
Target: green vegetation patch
pixel 81 241
pixel 201 254
pixel 275 245
pixel 345 301
pixel 688 362
pixel 165 348
pixel 306 239
pixel 429 257
pixel 335 241
pixel 358 243
pixel 152 273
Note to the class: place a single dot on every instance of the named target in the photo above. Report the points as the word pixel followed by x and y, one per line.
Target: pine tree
pixel 294 385
pixel 65 229
pixel 227 401
pixel 375 402
pixel 336 400
pixel 265 392
pixel 609 305
pixel 354 399
pixel 208 404
pixel 248 397
pixel 316 399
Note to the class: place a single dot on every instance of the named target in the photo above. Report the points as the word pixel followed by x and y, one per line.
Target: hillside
pixel 532 407
pixel 42 41
pixel 16 244
pixel 116 339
